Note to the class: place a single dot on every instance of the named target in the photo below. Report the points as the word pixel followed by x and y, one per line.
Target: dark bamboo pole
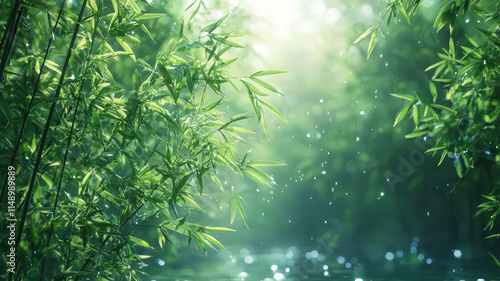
pixel 25 118
pixel 10 34
pixel 29 193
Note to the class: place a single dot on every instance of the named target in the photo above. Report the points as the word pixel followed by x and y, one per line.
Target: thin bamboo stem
pixel 29 193
pixel 25 118
pixel 10 34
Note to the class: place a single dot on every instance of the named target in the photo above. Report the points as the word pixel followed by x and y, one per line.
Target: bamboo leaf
pixel 362 36
pixel 149 16
pixel 494 258
pixel 435 105
pixel 192 202
pixel 233 211
pixel 195 12
pixel 237 205
pixel 262 120
pixel 134 6
pixel 435 65
pixel 126 47
pixel 432 88
pixel 139 242
pixel 130 39
pixel 435 148
pixel 403 113
pixel 264 163
pixel 225 41
pixel 146 30
pixel 274 110
pixel 266 85
pixel 458 167
pixel 52 65
pixel 445 152
pixel 217 229
pixel 214 26
pixel 402 10
pixel 267 72
pixel 214 241
pixel 86 178
pixel 257 175
pixel 373 41
pixel 415 116
pixel 403 96
pixel 416 134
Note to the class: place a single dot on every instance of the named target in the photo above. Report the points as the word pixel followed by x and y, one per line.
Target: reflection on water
pixel 296 264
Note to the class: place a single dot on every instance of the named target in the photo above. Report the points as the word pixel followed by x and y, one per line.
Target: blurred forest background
pixel 354 190
pixel 352 179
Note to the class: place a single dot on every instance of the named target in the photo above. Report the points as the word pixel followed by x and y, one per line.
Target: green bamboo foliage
pixel 461 108
pixel 98 164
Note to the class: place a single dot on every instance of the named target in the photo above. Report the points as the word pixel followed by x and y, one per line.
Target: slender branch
pixel 54 210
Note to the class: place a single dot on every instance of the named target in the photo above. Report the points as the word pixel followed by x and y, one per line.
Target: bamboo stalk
pixel 29 193
pixel 25 118
pixel 54 211
pixel 10 34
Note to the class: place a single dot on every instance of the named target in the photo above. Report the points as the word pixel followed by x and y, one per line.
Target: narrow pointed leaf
pixel 274 110
pixel 368 31
pixel 373 41
pixel 403 113
pixel 267 72
pixel 403 96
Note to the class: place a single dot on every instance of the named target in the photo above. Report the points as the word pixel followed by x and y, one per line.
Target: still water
pixel 294 264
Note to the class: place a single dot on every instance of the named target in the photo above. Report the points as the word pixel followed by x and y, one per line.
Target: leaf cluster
pixel 96 165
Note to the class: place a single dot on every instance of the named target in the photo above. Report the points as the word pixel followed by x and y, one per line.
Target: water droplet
pixel 323 172
pixel 321 100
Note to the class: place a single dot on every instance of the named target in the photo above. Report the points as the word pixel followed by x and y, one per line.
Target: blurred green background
pixel 356 198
